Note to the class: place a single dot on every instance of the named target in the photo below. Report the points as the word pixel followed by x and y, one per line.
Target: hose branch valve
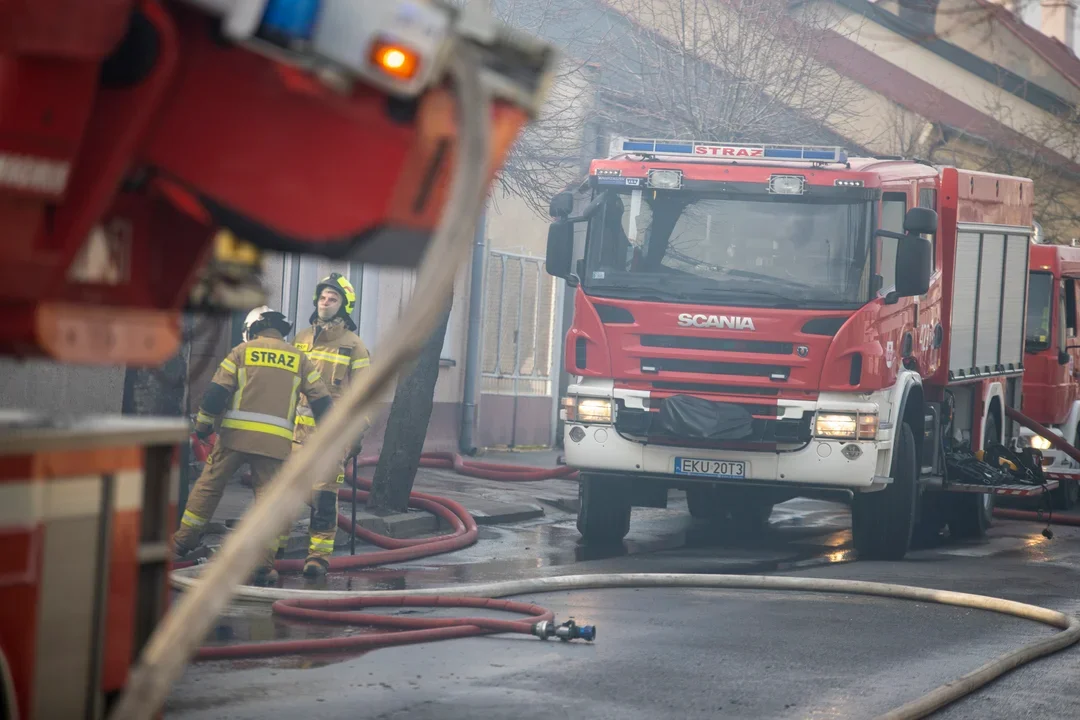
pixel 569 630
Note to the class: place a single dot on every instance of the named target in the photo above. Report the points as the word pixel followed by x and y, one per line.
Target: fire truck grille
pixel 722 345
pixel 711 388
pixel 659 365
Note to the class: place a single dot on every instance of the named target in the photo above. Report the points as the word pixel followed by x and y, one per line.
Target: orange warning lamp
pixel 394 59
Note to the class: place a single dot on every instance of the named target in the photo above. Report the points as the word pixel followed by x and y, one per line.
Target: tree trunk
pixel 406 429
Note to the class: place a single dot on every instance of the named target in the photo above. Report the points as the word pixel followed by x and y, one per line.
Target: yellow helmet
pixel 339 284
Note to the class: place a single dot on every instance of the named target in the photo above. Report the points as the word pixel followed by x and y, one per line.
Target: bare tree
pixel 545 158
pixel 747 70
pixel 1046 151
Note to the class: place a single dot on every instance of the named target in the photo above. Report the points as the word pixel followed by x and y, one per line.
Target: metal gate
pixel 519 321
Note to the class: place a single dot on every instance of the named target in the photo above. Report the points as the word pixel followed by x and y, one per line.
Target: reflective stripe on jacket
pixel 267 377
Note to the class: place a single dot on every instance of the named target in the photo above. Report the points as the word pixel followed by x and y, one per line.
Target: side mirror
pixel 562 205
pixel 920 221
pixel 560 248
pixel 913 265
pixel 1063 357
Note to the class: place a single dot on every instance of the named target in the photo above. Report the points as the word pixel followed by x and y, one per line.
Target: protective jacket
pixel 338 354
pixel 258 386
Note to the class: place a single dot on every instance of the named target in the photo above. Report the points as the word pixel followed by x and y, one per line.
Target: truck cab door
pixel 895 323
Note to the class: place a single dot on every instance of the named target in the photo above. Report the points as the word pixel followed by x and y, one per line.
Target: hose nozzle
pixel 569 630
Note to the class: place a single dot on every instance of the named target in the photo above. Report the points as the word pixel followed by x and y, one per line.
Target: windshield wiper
pixel 762 276
pixel 718 293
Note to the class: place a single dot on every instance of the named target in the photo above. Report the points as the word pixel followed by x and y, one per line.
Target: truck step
pixel 936 482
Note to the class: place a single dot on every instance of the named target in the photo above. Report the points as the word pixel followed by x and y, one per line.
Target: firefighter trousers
pixel 205 496
pixel 323 507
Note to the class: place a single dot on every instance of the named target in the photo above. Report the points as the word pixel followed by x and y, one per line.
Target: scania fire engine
pixel 754 323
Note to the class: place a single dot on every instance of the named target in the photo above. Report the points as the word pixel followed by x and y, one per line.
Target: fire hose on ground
pixel 320 604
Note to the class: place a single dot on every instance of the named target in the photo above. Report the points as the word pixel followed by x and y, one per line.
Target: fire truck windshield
pixel 766 249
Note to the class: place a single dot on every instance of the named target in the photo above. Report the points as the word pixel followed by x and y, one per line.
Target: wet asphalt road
pixel 682 653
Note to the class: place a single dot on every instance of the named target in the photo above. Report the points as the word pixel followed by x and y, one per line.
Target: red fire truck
pixel 754 323
pixel 1052 360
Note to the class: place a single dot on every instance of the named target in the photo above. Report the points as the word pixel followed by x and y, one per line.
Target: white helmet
pixel 262 318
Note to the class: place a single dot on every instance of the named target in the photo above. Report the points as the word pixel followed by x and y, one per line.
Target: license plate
pixel 710 468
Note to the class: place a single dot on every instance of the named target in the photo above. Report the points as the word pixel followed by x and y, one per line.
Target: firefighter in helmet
pixel 252 398
pixel 332 345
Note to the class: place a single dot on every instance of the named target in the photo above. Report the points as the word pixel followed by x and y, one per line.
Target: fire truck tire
pixel 882 522
pixel 970 514
pixel 604 511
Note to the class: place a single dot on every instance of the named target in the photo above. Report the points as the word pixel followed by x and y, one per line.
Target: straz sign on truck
pixel 729 151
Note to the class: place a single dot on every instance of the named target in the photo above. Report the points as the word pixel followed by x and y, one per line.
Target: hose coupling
pixel 569 630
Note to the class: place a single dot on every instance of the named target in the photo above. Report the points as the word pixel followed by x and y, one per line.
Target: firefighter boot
pixel 264 577
pixel 323 532
pixel 196 554
pixel 316 567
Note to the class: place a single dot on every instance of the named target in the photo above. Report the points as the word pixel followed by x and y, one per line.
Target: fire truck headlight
pixel 593 410
pixel 1040 443
pixel 665 179
pixel 846 426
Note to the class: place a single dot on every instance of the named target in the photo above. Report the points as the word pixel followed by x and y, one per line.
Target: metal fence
pixel 519 321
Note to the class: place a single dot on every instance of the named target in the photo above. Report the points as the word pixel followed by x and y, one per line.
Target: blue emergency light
pixel 293 19
pixel 731 151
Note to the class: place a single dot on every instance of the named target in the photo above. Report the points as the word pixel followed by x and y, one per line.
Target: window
pixel 1038 312
pixel 893 209
pixel 928 199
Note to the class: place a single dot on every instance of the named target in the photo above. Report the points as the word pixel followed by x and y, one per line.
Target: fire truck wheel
pixel 604 512
pixel 882 522
pixel 971 514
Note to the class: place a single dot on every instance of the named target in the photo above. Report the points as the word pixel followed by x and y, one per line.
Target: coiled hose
pixel 178 636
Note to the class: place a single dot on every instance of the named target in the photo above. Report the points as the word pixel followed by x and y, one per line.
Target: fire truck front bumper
pixel 813 462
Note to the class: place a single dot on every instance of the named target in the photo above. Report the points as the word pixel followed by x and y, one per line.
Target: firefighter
pixel 332 345
pixel 254 396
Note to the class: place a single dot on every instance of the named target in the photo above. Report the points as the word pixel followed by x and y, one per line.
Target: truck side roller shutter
pixel 991 275
pixel 989 288
pixel 1012 302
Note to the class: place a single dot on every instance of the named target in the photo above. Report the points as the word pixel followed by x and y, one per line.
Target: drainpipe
pixel 475 334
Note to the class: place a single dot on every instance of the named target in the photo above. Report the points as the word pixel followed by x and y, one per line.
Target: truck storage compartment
pixel 989 291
